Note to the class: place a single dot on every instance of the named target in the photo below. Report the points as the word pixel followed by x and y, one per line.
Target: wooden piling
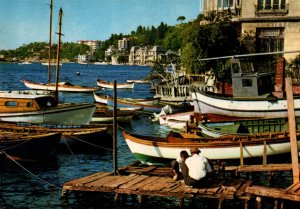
pixel 292 129
pixel 115 128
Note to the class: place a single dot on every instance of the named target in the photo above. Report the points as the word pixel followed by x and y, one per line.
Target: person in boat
pixel 195 169
pixel 176 164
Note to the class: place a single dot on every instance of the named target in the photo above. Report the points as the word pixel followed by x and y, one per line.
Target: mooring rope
pixel 95 145
pixel 32 174
pixel 70 149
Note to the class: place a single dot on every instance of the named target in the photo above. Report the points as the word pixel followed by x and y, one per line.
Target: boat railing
pixel 172 91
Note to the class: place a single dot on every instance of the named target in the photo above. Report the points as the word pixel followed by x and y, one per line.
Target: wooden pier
pixel 157 181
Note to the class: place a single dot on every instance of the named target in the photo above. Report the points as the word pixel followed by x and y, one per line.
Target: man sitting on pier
pixel 195 169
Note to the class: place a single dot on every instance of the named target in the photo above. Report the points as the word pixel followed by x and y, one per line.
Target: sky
pixel 27 21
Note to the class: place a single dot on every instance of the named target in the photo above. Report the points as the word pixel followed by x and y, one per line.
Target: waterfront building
pixel 146 56
pixel 94 45
pixel 273 24
pixel 123 44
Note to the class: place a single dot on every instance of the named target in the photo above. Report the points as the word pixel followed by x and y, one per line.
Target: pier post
pixel 115 161
pixel 292 128
pixel 181 202
pixel 258 202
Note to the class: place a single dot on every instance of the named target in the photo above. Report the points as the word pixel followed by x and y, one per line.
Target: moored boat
pixel 137 81
pixel 253 94
pixel 110 85
pixel 103 99
pixel 122 103
pixel 62 86
pixel 157 150
pixel 106 115
pixel 245 127
pixel 43 109
pixel 28 146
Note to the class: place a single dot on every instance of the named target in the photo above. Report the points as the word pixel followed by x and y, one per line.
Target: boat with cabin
pixel 43 109
pixel 254 94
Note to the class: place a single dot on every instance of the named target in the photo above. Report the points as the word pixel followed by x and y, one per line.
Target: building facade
pixel 146 56
pixel 94 45
pixel 274 24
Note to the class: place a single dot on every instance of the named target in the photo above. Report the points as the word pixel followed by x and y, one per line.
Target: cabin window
pixel 29 104
pixel 246 82
pixel 11 104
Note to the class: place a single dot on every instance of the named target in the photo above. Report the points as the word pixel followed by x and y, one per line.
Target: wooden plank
pixel 87 179
pixel 292 128
pixel 147 180
pixel 99 182
pixel 133 181
pixel 241 190
pixel 294 188
pixel 118 181
pixel 159 184
pixel 171 187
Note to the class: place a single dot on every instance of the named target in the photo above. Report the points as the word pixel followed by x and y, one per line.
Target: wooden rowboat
pixel 62 86
pixel 110 85
pixel 103 99
pixel 77 137
pixel 157 150
pixel 28 146
pixel 245 127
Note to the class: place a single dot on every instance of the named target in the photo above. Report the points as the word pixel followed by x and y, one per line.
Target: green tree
pixel 181 19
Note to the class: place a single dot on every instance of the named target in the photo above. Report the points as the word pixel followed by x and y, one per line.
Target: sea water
pixel 39 185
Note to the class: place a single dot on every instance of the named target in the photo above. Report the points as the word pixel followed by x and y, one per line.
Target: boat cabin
pixel 12 103
pixel 248 81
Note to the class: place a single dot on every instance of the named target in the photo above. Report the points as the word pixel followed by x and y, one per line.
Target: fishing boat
pixel 28 146
pixel 161 150
pixel 103 99
pixel 134 103
pixel 252 95
pixel 43 109
pixel 62 86
pixel 110 85
pixel 245 127
pixel 73 136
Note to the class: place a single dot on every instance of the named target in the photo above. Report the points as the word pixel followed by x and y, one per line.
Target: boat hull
pixel 206 104
pixel 154 151
pixel 52 87
pixel 109 85
pixel 34 148
pixel 64 114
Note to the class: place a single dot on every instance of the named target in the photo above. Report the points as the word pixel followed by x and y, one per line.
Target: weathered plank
pixel 118 181
pixel 147 180
pixel 99 182
pixel 87 179
pixel 241 190
pixel 133 181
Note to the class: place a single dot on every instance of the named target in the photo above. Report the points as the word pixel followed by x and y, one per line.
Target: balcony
pixel 271 9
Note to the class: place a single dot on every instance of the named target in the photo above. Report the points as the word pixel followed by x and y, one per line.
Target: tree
pixel 181 19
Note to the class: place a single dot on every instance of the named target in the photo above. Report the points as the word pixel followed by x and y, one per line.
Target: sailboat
pixel 62 86
pixel 42 108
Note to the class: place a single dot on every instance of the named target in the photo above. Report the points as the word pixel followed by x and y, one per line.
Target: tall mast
pixel 58 55
pixel 50 43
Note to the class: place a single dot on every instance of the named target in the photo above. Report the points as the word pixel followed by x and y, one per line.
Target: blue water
pixel 39 185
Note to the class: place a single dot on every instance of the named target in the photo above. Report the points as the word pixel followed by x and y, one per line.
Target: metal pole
pixel 115 128
pixel 58 55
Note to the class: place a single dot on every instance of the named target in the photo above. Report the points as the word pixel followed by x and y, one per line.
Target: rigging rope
pixel 32 174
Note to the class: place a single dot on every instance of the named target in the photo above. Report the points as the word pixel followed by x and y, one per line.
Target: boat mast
pixel 58 55
pixel 50 43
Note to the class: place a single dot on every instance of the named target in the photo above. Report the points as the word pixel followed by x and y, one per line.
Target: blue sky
pixel 26 21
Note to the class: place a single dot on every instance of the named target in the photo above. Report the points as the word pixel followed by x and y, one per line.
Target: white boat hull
pixel 242 108
pixel 75 114
pixel 65 88
pixel 118 86
pixel 148 151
